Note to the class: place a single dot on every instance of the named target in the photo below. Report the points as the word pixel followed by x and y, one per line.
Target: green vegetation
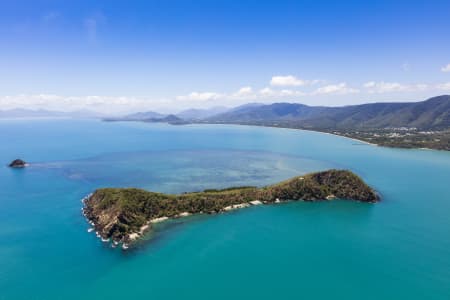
pixel 408 138
pixel 401 138
pixel 120 212
pixel 227 189
pixel 423 124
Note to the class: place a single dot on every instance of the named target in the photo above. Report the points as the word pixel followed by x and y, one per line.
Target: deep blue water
pixel 396 249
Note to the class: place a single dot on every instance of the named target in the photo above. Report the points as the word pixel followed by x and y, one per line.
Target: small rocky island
pixel 122 215
pixel 18 163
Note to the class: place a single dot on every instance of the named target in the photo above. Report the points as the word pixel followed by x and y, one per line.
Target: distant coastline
pixel 352 135
pixel 400 143
pixel 412 125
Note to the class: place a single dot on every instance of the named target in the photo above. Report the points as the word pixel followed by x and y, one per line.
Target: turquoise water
pixel 396 249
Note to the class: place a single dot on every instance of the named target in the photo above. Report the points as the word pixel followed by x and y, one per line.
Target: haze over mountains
pixel 433 113
pixel 141 116
pixel 199 114
pixel 43 113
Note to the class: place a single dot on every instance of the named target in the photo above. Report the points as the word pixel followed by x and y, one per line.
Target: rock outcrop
pixel 18 163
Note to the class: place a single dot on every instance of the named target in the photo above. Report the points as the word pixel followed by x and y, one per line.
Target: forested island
pixel 122 215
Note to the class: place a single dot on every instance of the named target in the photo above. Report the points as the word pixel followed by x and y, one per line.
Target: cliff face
pixel 121 214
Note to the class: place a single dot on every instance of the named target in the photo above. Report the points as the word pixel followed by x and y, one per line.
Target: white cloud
pixel 288 92
pixel 337 89
pixel 105 104
pixel 444 86
pixel 197 96
pixel 266 92
pixel 271 93
pixel 125 104
pixel 384 87
pixel 291 93
pixel 381 87
pixel 421 87
pixel 446 68
pixel 288 80
pixel 245 91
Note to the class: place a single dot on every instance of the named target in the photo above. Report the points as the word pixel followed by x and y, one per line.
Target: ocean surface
pixel 396 249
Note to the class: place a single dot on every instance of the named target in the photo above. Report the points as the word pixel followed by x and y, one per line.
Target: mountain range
pixel 433 113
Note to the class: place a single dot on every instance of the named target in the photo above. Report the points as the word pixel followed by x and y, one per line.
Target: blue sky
pixel 167 55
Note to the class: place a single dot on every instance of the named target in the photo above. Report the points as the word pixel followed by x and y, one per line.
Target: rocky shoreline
pixel 121 216
pixel 132 237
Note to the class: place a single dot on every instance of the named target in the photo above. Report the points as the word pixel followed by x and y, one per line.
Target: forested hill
pixel 433 113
